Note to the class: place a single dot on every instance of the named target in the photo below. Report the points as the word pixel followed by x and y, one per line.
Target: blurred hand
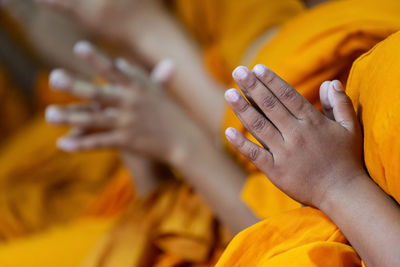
pixel 132 113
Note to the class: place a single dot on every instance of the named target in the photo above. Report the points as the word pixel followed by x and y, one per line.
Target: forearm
pixel 369 219
pixel 194 87
pixel 146 173
pixel 219 181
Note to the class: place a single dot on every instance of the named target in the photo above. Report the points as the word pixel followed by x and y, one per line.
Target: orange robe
pixel 306 237
pixel 318 45
pixel 77 195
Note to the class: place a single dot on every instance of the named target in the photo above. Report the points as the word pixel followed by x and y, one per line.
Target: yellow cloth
pixel 320 44
pixel 226 28
pixel 41 186
pixel 171 226
pixel 305 237
pixel 61 246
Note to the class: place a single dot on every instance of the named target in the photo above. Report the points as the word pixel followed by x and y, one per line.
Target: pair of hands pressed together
pixel 132 113
pixel 316 159
pixel 135 114
pixel 304 153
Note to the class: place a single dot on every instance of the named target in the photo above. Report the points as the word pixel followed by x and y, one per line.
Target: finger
pixel 105 119
pixel 264 98
pixel 52 113
pixel 247 95
pixel 287 95
pixel 62 81
pixel 260 157
pixel 259 126
pixel 163 73
pixel 134 73
pixel 102 64
pixel 90 142
pixel 326 104
pixel 343 109
pixel 76 132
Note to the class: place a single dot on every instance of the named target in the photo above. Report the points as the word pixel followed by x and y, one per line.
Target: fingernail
pixel 83 48
pixel 66 144
pixel 53 114
pixel 59 80
pixel 230 133
pixel 240 73
pixel 259 70
pixel 232 95
pixel 337 85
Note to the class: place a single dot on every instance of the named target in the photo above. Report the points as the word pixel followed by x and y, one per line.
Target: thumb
pixel 164 72
pixel 342 107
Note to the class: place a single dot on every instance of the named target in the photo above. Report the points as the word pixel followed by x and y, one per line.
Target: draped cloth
pixel 305 236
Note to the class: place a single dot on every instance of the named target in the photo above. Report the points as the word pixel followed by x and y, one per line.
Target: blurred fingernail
pixel 230 133
pixel 232 95
pixel 59 80
pixel 240 73
pixel 83 47
pixel 66 144
pixel 337 85
pixel 259 70
pixel 53 114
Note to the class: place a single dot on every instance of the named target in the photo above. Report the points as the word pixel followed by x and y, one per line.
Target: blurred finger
pixel 85 119
pixel 62 81
pixel 134 73
pixel 90 142
pixel 163 73
pixel 102 64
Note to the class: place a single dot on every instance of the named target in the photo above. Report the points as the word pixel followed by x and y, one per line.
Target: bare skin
pixel 324 154
pixel 138 117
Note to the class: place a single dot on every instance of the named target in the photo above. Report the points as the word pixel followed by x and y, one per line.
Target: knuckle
pixel 259 124
pixel 270 78
pixel 253 153
pixel 287 92
pixel 243 106
pixel 316 120
pixel 252 84
pixel 269 102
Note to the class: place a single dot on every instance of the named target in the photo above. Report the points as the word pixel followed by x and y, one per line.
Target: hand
pixel 304 153
pixel 108 18
pixel 133 113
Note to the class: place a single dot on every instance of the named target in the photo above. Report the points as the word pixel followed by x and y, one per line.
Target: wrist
pixel 339 192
